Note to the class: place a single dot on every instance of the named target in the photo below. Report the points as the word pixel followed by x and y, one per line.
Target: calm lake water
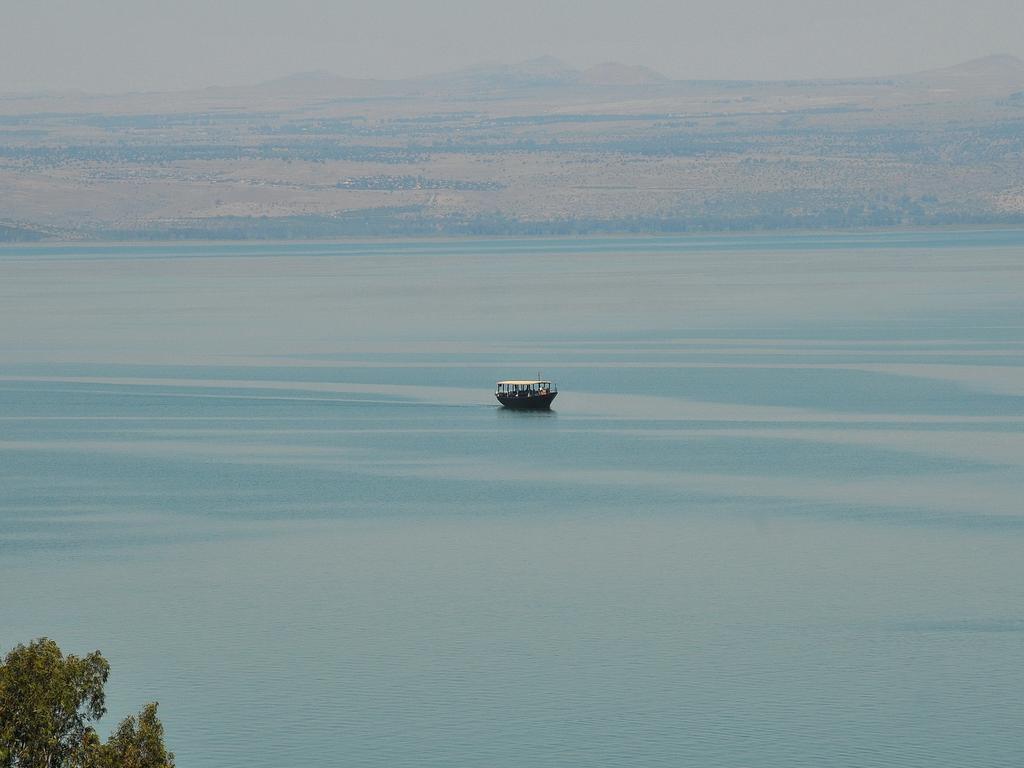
pixel 775 518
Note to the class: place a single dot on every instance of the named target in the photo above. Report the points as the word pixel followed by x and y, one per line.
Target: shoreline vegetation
pixel 48 704
pixel 328 228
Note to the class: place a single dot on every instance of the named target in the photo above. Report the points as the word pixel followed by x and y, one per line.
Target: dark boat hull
pixel 530 403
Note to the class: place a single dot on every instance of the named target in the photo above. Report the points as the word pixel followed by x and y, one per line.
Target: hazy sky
pixel 115 45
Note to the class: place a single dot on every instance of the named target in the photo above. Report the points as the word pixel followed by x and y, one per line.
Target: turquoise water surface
pixel 774 519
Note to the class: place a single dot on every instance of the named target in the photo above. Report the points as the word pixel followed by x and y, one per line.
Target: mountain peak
pixel 997 64
pixel 998 69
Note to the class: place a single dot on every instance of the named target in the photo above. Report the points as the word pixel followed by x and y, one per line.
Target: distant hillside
pixel 536 147
pixel 990 74
pixel 999 73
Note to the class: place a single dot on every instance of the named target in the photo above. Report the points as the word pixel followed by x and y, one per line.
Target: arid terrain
pixel 537 147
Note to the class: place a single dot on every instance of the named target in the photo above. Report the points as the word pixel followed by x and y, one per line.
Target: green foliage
pixel 137 743
pixel 47 704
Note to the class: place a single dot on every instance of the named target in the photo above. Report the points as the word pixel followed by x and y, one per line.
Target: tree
pixel 137 743
pixel 47 704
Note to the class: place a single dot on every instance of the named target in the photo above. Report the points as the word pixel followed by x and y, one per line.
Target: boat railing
pixel 527 390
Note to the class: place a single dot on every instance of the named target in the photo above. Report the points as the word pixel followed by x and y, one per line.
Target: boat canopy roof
pixel 523 382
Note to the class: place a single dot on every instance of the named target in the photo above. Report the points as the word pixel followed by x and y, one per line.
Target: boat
pixel 526 395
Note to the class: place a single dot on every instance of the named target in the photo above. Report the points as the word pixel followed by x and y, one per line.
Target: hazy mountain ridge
pixel 996 66
pixel 547 71
pixel 999 70
pixel 987 75
pixel 542 72
pixel 994 73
